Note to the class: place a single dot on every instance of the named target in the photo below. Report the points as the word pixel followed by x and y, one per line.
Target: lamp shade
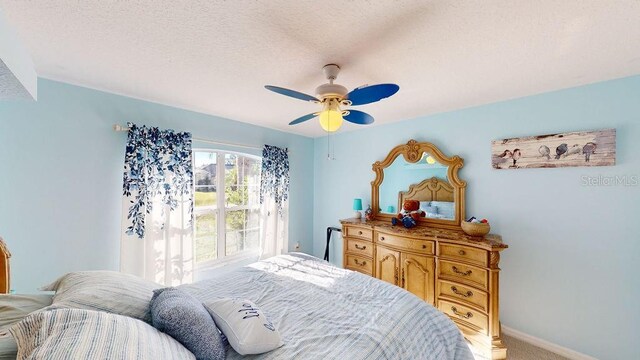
pixel 331 120
pixel 357 204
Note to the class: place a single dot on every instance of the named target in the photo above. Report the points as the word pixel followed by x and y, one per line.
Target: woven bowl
pixel 475 229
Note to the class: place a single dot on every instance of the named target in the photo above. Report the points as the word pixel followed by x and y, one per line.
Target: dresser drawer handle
pixel 458 292
pixel 462 253
pixel 381 238
pixel 364 263
pixel 424 246
pixel 360 247
pixel 464 316
pixel 359 232
pixel 466 273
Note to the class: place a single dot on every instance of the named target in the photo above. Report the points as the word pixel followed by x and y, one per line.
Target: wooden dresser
pixel 456 273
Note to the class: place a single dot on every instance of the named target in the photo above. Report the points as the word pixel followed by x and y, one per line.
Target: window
pixel 226 205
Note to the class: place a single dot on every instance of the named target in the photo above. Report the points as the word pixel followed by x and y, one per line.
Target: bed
pixel 14 308
pixel 324 312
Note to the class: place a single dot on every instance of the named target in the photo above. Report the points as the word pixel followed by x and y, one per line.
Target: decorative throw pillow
pixel 109 291
pixel 182 316
pixel 246 327
pixel 87 334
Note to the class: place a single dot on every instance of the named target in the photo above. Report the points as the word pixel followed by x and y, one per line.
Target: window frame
pixel 217 210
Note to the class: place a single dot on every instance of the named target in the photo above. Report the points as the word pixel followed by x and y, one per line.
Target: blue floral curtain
pixel 275 176
pixel 157 163
pixel 274 201
pixel 157 206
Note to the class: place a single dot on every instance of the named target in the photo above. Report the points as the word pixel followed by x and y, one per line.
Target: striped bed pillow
pixel 61 334
pixel 109 291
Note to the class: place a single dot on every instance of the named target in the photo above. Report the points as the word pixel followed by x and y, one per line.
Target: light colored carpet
pixel 520 350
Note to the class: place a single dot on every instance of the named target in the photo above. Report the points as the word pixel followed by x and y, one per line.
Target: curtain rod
pixel 120 128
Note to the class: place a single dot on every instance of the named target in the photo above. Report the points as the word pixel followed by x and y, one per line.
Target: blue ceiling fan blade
pixel 303 119
pixel 359 117
pixel 291 93
pixel 369 94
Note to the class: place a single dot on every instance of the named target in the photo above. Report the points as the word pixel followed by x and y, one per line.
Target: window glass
pixel 227 222
pixel 204 174
pixel 206 236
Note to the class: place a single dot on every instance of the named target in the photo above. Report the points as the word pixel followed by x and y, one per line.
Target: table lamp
pixel 357 206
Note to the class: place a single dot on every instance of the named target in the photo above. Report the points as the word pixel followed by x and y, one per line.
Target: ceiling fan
pixel 332 96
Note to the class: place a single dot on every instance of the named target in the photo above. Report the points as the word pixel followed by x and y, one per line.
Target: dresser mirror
pixel 419 171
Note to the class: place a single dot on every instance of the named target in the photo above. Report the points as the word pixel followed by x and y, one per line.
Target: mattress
pixel 325 312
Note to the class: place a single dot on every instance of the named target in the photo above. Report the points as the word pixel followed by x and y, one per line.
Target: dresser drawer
pixel 466 274
pixel 404 243
pixel 360 247
pixel 358 232
pixel 465 315
pixel 360 263
pixel 464 294
pixel 464 253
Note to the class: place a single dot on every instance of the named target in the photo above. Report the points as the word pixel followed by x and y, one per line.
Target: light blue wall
pixel 570 274
pixel 61 176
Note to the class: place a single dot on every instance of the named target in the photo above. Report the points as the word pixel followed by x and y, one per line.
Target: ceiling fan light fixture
pixel 331 116
pixel 331 120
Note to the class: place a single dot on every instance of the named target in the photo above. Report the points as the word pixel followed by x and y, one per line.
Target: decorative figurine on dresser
pixel 435 260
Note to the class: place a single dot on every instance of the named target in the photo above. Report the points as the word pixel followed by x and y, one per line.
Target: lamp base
pixel 358 215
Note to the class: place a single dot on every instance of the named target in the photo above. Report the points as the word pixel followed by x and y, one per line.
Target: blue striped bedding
pixel 66 334
pixel 324 312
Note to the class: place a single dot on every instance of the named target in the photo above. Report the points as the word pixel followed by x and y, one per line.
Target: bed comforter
pixel 324 312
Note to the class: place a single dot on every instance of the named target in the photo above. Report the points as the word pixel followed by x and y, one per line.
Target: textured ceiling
pixel 215 57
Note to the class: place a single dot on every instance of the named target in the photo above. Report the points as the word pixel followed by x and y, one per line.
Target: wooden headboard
pixel 433 189
pixel 4 267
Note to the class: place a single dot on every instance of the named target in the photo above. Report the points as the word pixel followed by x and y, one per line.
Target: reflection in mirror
pixel 419 171
pixel 400 175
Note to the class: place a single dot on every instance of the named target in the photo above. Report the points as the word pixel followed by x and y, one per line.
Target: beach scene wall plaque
pixel 581 148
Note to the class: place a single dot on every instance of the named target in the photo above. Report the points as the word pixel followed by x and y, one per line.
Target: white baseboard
pixel 544 344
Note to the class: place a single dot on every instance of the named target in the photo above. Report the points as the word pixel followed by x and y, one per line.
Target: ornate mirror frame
pixel 412 152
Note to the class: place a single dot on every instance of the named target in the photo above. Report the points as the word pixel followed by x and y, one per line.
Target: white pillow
pixel 245 326
pixel 109 291
pixel 431 211
pixel 445 209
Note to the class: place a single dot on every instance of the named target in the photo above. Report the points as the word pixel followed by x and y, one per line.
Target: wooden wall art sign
pixel 582 148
